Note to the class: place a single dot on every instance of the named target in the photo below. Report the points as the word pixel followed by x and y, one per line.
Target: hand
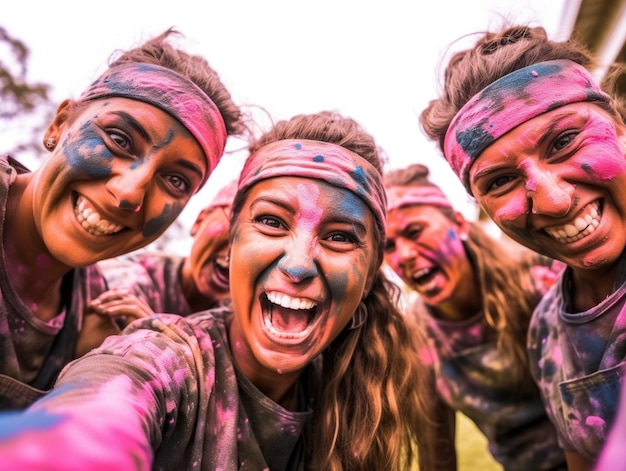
pixel 122 304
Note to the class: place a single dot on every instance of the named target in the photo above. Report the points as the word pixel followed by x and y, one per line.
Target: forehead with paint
pixel 512 100
pixel 324 161
pixel 172 93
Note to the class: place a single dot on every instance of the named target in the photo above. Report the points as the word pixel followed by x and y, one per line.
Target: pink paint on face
pixel 424 248
pixel 301 253
pixel 557 184
pixel 311 213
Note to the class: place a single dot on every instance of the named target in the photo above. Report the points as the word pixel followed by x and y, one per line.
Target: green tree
pixel 25 108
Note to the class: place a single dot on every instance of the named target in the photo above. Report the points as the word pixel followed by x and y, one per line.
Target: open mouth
pixel 91 221
pixel 220 272
pixel 584 224
pixel 424 278
pixel 286 318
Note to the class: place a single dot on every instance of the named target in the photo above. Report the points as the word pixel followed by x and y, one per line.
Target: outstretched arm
pixel 108 408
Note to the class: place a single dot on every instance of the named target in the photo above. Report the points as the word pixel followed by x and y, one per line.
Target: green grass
pixel 471 447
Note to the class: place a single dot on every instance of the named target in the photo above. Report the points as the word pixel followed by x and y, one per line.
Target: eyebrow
pixel 136 125
pixel 133 123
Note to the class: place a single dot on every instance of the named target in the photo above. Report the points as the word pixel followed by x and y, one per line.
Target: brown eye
pixel 120 139
pixel 562 141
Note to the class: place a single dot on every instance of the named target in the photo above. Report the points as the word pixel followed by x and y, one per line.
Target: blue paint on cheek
pixel 451 234
pixel 160 223
pixel 16 423
pixel 337 283
pixel 87 154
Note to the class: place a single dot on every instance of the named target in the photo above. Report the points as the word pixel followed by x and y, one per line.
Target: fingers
pixel 121 302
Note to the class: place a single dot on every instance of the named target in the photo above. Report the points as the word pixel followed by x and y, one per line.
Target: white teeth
pixel 582 226
pixel 420 273
pixel 92 221
pixel 289 302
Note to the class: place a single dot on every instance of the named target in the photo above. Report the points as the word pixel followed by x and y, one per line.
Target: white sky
pixel 375 61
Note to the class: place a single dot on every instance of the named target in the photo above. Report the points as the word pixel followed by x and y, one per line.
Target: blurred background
pixel 377 62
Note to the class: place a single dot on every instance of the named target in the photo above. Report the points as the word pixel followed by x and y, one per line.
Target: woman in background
pixel 475 298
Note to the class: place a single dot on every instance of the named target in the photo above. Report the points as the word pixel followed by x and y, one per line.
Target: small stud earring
pixel 50 143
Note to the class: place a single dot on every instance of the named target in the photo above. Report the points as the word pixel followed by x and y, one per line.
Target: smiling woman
pixel 125 158
pixel 541 145
pixel 310 367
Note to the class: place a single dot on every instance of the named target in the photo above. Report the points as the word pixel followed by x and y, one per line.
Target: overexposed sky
pixel 376 61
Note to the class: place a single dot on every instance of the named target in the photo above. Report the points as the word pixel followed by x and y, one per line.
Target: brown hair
pixel 159 51
pixel 495 55
pixel 369 410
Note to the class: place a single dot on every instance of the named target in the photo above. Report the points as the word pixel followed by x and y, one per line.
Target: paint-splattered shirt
pixel 32 351
pixel 164 395
pixel 578 361
pixel 471 377
pixel 153 277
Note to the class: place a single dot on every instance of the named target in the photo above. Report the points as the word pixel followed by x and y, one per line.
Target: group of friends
pixel 280 342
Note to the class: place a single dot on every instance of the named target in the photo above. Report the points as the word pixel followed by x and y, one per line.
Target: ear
pixel 54 130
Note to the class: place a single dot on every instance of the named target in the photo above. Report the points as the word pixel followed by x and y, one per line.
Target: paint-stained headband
pixel 323 161
pixel 511 101
pixel 425 195
pixel 172 93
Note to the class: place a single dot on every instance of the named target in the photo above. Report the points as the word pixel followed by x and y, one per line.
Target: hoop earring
pixel 359 317
pixel 50 143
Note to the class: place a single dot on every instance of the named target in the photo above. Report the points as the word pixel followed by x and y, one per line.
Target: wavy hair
pixel 508 290
pixel 368 407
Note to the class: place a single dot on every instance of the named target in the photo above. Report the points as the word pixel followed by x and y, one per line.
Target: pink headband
pixel 510 101
pixel 172 93
pixel 323 161
pixel 401 196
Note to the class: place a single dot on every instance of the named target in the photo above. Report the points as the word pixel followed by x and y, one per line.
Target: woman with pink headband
pixel 310 366
pixel 541 147
pixel 125 158
pixel 475 296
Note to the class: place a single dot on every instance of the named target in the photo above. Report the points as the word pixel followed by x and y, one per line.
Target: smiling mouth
pixel 287 318
pixel 91 221
pixel 586 223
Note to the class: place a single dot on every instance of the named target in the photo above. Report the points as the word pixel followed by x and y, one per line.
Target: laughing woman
pixel 125 158
pixel 540 145
pixel 308 368
pixel 476 296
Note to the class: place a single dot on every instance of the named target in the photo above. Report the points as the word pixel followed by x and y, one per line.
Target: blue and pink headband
pixel 331 163
pixel 172 93
pixel 512 100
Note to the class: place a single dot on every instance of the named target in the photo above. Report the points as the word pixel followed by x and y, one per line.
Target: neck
pixel 37 275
